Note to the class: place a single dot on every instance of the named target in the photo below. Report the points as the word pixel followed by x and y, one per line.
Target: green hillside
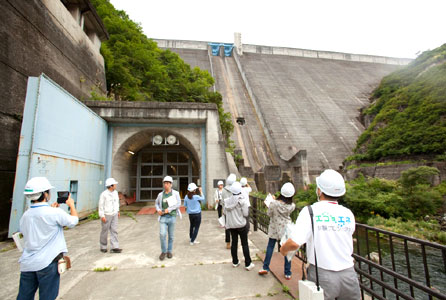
pixel 408 112
pixel 137 70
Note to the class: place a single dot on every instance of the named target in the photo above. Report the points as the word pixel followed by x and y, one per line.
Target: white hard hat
pixel 192 187
pixel 37 185
pixel 220 182
pixel 110 182
pixel 287 190
pixel 236 188
pixel 168 179
pixel 243 181
pixel 331 183
pixel 231 179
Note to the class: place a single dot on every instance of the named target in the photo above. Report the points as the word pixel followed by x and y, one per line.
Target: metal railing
pixel 389 265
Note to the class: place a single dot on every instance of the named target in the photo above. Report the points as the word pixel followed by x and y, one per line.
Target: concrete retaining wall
pixel 38 37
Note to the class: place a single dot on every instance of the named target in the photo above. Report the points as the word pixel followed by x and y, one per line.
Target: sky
pixel 397 28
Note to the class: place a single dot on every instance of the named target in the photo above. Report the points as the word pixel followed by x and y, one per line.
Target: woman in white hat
pixel 279 212
pixel 236 210
pixel 192 202
pixel 218 198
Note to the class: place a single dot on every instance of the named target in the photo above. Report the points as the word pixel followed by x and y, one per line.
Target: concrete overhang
pixel 152 112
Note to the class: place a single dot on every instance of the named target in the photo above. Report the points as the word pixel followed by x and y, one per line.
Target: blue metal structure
pixel 215 48
pixel 63 140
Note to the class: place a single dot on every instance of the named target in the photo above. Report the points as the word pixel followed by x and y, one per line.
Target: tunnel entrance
pixel 151 164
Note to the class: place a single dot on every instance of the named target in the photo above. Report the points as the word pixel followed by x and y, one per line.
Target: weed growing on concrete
pixel 104 269
pixel 154 267
pixel 130 215
pixel 285 288
pixel 163 266
pixel 93 216
pixel 258 295
pixel 8 247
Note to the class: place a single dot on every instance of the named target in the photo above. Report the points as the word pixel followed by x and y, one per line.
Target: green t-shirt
pixel 165 205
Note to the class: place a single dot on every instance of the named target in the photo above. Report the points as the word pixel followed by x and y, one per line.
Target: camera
pixel 62 197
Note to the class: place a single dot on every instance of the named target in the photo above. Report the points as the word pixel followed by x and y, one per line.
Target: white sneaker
pixel 196 242
pixel 191 243
pixel 250 267
pixel 236 265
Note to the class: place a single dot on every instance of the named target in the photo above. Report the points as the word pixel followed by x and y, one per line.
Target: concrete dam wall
pixel 299 111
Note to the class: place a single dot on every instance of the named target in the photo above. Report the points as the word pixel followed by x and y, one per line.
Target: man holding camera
pixel 331 243
pixel 42 229
pixel 108 209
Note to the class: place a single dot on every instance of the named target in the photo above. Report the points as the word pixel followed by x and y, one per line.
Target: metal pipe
pixel 380 262
pixel 426 269
pixel 397 292
pixel 368 256
pixel 416 284
pixel 392 256
pixel 409 271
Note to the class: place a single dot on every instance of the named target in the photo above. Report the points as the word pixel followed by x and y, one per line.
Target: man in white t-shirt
pixel 334 226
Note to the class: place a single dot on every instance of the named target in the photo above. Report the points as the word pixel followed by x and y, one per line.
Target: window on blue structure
pixel 73 191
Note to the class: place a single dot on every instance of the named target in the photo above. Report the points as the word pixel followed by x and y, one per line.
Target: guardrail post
pixel 254 213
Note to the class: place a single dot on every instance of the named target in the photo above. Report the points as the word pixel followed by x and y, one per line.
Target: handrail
pixel 376 284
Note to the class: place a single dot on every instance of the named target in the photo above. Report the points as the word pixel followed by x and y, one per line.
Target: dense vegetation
pixel 398 206
pixel 408 111
pixel 137 70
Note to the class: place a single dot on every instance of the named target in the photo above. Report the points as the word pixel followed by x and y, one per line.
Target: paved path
pixel 201 271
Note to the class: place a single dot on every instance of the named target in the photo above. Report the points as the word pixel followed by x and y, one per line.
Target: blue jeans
pixel 47 280
pixel 167 226
pixel 269 254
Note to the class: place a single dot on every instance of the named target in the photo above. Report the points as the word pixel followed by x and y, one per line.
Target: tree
pixel 137 70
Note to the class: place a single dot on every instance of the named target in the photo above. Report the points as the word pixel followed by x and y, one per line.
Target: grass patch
pixel 425 230
pixel 130 215
pixel 104 269
pixel 388 163
pixel 93 216
pixel 258 295
pixel 285 288
pixel 8 247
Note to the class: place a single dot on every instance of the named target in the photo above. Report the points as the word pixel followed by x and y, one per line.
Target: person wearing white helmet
pixel 236 210
pixel 279 217
pixel 246 189
pixel 42 228
pixel 332 239
pixel 226 194
pixel 218 197
pixel 167 205
pixel 108 210
pixel 192 202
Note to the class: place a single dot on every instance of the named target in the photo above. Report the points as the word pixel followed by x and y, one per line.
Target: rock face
pixel 393 172
pixel 39 37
